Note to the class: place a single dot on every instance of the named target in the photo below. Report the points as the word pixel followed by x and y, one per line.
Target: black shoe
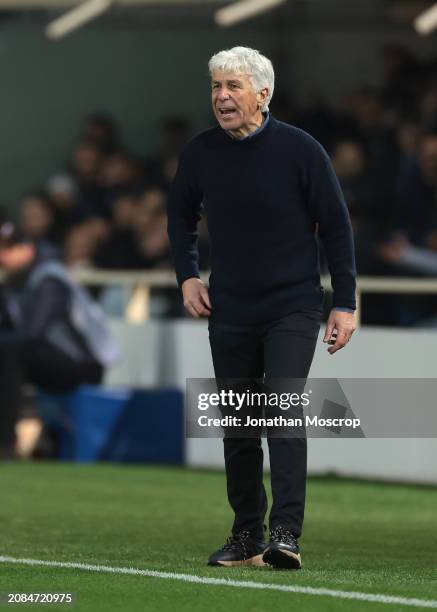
pixel 283 550
pixel 240 549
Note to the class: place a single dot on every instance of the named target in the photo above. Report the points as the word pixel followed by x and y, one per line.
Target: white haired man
pixel 268 189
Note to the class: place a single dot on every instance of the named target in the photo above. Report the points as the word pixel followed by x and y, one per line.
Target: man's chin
pixel 229 124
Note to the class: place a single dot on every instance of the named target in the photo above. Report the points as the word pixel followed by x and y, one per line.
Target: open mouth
pixel 227 112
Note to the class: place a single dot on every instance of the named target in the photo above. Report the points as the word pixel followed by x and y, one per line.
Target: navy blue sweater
pixel 265 199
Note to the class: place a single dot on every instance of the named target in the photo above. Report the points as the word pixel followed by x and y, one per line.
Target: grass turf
pixel 359 536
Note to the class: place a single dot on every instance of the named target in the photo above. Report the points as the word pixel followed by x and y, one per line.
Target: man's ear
pixel 262 95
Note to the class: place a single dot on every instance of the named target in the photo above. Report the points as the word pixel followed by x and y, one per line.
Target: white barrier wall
pixel 140 348
pixel 165 354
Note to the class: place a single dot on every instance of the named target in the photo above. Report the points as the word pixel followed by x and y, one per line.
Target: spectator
pixel 79 247
pixel 147 227
pixel 123 210
pixel 86 163
pixel 408 136
pixel 414 230
pixel 161 169
pixel 37 225
pixel 155 247
pixel 41 341
pixel 138 239
pixel 120 173
pixel 370 207
pixel 360 191
pixel 376 134
pixel 36 218
pixel 101 131
pixel 152 201
pixel 120 250
pixel 62 191
pixel 99 230
pixel 318 120
pixel 402 76
pixel 428 109
pixel 175 133
pixel 416 213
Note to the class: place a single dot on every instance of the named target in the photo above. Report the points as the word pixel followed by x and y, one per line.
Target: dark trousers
pixel 11 380
pixel 43 366
pixel 280 349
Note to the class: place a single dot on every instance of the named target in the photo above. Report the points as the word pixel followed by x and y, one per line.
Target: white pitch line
pixel 245 584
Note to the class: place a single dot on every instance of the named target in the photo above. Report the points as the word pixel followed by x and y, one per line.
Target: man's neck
pixel 245 130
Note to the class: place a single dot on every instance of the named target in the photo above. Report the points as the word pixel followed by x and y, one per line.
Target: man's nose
pixel 223 94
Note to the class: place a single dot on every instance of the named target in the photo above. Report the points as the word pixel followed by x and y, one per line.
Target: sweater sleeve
pixel 183 211
pixel 329 210
pixel 50 301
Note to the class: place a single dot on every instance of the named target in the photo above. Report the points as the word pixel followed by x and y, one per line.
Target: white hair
pixel 243 60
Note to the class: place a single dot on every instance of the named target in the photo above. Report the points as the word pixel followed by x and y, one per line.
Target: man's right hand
pixel 196 298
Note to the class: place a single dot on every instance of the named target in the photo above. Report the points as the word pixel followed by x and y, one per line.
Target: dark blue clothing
pixel 264 197
pixel 416 208
pixel 266 119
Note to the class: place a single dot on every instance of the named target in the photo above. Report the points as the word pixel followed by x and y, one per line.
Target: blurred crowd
pixel 106 207
pixel 383 145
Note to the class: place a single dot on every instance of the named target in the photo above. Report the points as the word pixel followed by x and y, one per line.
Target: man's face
pixel 349 161
pixel 36 218
pixel 235 103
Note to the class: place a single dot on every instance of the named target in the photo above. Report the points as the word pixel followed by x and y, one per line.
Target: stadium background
pixel 355 75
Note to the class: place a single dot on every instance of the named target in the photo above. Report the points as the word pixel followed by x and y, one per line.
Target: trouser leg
pixel 237 352
pixel 11 379
pixel 289 346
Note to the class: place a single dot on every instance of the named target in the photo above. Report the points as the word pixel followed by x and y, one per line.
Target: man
pixel 51 333
pixel 267 189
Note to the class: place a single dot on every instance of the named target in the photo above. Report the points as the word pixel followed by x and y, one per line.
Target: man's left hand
pixel 339 329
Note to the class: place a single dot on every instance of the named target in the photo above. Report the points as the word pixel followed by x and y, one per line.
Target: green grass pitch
pixel 359 536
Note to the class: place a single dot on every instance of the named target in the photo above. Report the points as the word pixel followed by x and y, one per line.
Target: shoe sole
pixel 282 559
pixel 253 561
